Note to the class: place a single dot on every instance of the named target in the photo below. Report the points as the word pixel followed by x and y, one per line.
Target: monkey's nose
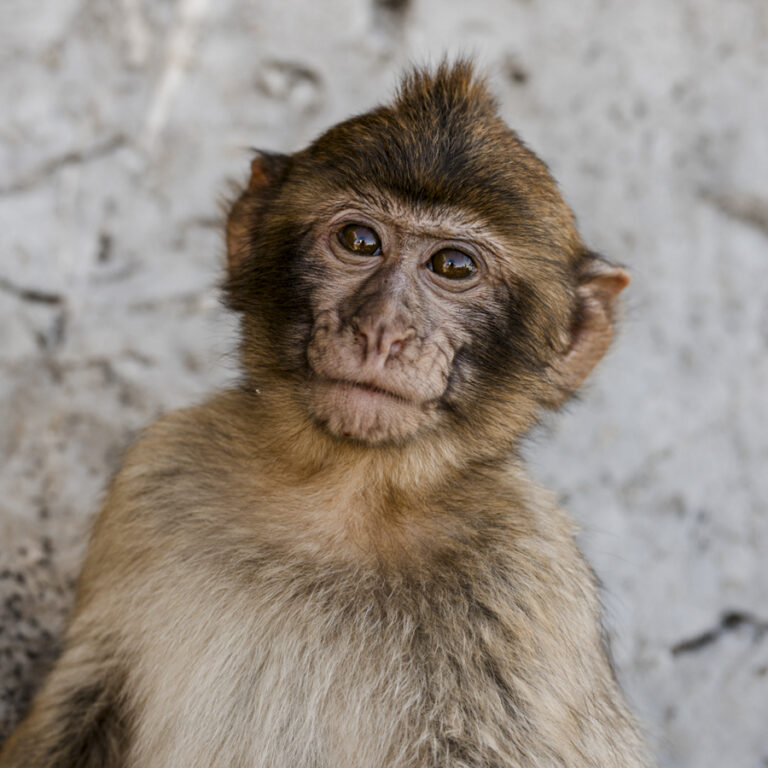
pixel 380 340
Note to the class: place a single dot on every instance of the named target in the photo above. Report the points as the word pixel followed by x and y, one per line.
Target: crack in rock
pixel 729 622
pixel 393 6
pixel 30 294
pixel 292 82
pixel 748 209
pixel 68 158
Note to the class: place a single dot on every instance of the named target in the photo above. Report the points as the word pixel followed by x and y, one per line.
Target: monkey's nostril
pixel 395 348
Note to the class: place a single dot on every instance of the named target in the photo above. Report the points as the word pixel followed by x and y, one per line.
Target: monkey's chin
pixel 365 413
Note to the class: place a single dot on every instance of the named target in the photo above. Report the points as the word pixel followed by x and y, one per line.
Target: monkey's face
pixel 416 271
pixel 389 316
pixel 416 319
pixel 386 319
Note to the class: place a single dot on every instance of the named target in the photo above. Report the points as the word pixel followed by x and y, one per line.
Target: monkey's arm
pixel 82 716
pixel 79 718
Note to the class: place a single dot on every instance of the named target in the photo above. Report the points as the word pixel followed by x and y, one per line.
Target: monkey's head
pixel 415 272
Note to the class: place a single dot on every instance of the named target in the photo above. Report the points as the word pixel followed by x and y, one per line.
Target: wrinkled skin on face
pixel 415 271
pixel 387 326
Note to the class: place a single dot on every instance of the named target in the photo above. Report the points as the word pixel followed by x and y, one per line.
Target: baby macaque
pixel 341 562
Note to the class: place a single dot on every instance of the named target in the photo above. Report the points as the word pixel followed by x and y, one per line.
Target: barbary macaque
pixel 341 562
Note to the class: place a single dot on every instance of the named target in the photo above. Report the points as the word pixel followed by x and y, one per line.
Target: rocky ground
pixel 121 126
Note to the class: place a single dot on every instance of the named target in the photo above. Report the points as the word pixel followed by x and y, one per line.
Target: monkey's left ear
pixel 599 284
pixel 268 169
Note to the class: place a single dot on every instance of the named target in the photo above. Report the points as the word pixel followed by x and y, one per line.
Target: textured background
pixel 121 123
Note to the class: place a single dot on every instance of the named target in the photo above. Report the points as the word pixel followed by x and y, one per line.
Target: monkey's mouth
pixel 369 388
pixel 364 411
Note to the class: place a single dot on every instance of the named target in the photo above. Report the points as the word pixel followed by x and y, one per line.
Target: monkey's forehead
pixel 430 220
pixel 494 180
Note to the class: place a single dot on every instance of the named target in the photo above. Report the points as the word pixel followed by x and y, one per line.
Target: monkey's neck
pixel 410 499
pixel 303 453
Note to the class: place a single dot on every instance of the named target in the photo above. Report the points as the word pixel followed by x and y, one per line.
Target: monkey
pixel 341 561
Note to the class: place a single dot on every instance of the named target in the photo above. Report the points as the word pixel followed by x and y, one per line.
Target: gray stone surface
pixel 120 125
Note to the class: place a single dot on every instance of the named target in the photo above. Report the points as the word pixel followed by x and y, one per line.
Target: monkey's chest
pixel 298 678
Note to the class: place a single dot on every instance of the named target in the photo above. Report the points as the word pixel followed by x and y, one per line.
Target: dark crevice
pixel 729 622
pixel 30 294
pixel 389 17
pixel 104 252
pixel 515 71
pixel 53 337
pixel 393 6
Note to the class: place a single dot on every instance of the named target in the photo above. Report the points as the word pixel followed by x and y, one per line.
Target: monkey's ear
pixel 599 284
pixel 268 169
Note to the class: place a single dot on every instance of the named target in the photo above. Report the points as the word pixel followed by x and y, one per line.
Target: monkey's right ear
pixel 268 169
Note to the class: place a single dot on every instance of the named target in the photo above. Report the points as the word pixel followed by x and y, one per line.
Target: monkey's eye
pixel 361 240
pixel 453 264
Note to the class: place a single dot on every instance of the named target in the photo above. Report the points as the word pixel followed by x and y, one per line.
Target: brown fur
pixel 275 582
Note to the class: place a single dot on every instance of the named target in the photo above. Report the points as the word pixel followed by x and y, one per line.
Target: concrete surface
pixel 120 125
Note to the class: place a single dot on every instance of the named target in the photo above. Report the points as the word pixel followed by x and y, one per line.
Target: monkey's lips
pixel 366 412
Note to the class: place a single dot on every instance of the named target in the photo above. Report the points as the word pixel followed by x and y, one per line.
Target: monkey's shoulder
pixel 187 460
pixel 210 436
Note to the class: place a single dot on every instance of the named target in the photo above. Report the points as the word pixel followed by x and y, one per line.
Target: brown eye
pixel 361 240
pixel 455 265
